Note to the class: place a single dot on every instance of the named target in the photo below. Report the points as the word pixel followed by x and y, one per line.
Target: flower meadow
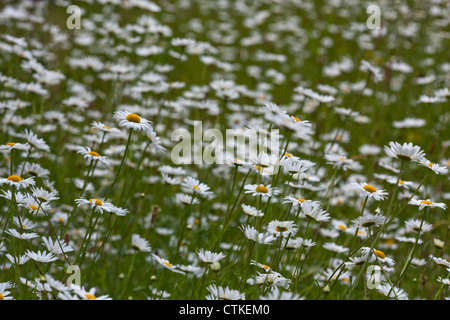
pixel 113 180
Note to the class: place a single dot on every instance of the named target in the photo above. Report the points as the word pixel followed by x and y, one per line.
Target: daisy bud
pixel 153 278
pixel 326 289
pixel 215 266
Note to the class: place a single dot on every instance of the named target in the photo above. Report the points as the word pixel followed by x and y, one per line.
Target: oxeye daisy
pixel 100 206
pixel 417 226
pixel 42 195
pixel 254 235
pixel 57 247
pixel 14 145
pixel 132 121
pixel 339 161
pixel 186 199
pixel 445 281
pixel 368 190
pixel 91 155
pixel 104 128
pixel 140 244
pixel 33 205
pixel 313 211
pixel 252 211
pixel 20 260
pixel 23 236
pixel 369 220
pixel 261 190
pixel 221 293
pixel 24 223
pixel 42 257
pixel 282 228
pixel 406 152
pixel 435 167
pixel 427 204
pixel 34 141
pixel 441 262
pixel 193 186
pixel 89 295
pixel 296 201
pixel 17 181
pixel 166 264
pixel 210 257
pixel 4 293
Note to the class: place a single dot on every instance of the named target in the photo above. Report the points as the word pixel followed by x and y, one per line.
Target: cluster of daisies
pixel 94 207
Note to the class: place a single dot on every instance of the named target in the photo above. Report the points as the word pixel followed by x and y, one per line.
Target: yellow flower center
pixel 24 226
pixel 370 188
pixel 426 202
pixel 380 254
pixel 342 158
pixel 261 189
pixel 281 229
pixel 296 119
pixel 60 219
pixel 266 267
pixel 14 178
pixel 94 154
pixel 287 154
pixel 133 118
pixel 106 127
pixel 390 242
pixel 90 296
pixel 258 167
pixel 1 297
pixel 11 144
pixel 96 202
pixel 430 164
pixel 401 181
pixel 301 200
pixel 33 207
pixel 341 226
pixel 167 264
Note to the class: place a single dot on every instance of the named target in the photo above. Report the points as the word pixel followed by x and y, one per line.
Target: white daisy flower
pixel 166 264
pixel 132 121
pixel 193 186
pixel 427 204
pixel 90 155
pixel 42 257
pixel 252 211
pixel 261 190
pixel 282 228
pixel 438 169
pixel 221 293
pixel 405 152
pixel 17 181
pixel 210 257
pixel 100 206
pixel 13 145
pixel 367 190
pixel 140 244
